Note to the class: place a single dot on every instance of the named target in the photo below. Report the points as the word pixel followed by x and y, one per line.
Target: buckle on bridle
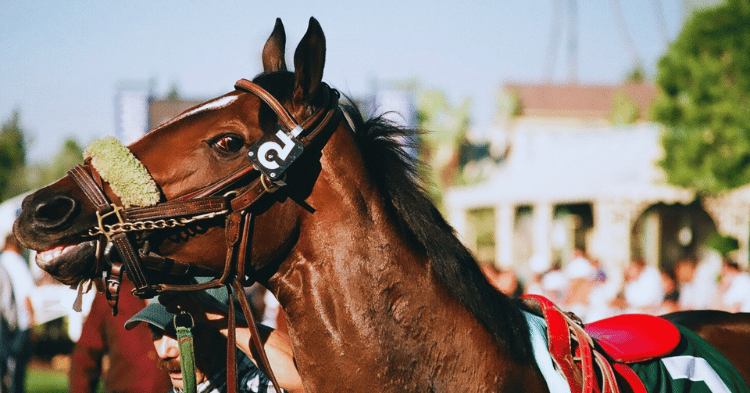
pixel 272 186
pixel 105 229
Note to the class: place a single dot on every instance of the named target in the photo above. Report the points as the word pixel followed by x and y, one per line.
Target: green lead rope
pixel 183 323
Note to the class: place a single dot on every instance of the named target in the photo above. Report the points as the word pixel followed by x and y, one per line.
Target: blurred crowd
pixel 585 287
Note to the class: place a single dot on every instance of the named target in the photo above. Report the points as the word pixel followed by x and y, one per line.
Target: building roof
pixel 581 101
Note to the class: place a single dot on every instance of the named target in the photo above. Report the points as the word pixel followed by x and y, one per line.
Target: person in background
pixel 555 284
pixel 734 288
pixel 8 324
pixel 694 294
pixel 130 353
pixel 504 280
pixel 642 291
pixel 510 284
pixel 671 301
pixel 19 349
pixel 580 267
pixel 581 275
pixel 209 337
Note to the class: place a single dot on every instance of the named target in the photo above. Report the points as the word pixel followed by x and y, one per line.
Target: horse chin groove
pixel 73 265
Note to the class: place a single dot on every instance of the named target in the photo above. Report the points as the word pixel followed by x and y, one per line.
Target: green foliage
pixel 624 110
pixel 12 155
pixel 70 155
pixel 637 75
pixel 174 92
pixel 705 101
pixel 16 177
pixel 723 244
pixel 445 127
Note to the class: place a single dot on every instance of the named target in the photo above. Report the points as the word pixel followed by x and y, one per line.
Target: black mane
pixel 384 147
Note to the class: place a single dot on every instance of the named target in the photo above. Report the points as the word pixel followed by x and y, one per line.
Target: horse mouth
pixel 69 264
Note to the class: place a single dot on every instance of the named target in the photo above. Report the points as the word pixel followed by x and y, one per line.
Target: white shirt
pixel 23 284
pixel 694 296
pixel 579 267
pixel 738 294
pixel 644 291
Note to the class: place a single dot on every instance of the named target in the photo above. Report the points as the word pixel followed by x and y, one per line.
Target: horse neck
pixel 355 291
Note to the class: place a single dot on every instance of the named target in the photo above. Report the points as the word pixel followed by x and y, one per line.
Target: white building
pixel 572 179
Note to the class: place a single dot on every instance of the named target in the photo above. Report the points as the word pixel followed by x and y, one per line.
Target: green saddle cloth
pixel 693 367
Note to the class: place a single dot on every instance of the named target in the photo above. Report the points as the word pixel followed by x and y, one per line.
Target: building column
pixel 504 219
pixel 457 217
pixel 613 221
pixel 542 229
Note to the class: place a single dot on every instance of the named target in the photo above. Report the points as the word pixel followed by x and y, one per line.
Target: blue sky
pixel 61 62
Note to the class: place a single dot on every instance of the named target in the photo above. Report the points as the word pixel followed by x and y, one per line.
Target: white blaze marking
pixel 215 104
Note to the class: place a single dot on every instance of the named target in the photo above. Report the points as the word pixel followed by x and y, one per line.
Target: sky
pixel 62 62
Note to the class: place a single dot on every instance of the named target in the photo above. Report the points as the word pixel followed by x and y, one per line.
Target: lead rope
pixel 183 323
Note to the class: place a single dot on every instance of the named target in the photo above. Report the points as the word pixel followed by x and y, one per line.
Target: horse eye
pixel 230 143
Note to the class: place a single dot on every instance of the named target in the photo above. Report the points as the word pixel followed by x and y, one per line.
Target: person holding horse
pixel 210 343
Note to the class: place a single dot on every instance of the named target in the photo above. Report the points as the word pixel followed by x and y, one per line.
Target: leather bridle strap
pixel 236 204
pixel 94 193
pixel 257 342
pixel 91 188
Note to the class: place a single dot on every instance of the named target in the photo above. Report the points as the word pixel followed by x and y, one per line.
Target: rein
pixel 269 158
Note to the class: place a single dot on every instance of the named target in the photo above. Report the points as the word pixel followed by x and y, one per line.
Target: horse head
pixel 206 145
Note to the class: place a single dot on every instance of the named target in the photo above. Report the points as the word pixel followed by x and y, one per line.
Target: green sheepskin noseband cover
pixel 127 176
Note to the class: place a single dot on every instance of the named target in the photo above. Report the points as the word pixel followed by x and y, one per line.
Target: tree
pixel 12 156
pixel 704 102
pixel 174 92
pixel 70 155
pixel 445 125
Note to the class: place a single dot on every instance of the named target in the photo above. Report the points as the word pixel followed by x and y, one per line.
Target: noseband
pixel 265 173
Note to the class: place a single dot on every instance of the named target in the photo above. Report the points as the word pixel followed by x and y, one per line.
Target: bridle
pixel 232 197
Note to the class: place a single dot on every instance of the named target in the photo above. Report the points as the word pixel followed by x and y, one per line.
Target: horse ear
pixel 309 59
pixel 273 51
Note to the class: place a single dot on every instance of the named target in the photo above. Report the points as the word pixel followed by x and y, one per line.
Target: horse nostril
pixel 55 212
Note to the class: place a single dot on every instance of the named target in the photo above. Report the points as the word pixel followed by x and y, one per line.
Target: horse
pixel 327 210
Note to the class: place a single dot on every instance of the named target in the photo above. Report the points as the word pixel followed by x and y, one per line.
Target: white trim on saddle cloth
pixel 538 332
pixel 127 176
pixel 695 369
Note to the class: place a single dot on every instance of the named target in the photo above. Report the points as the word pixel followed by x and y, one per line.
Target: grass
pixel 49 381
pixel 46 381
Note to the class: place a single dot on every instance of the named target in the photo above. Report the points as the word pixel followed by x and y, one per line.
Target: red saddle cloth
pixel 632 338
